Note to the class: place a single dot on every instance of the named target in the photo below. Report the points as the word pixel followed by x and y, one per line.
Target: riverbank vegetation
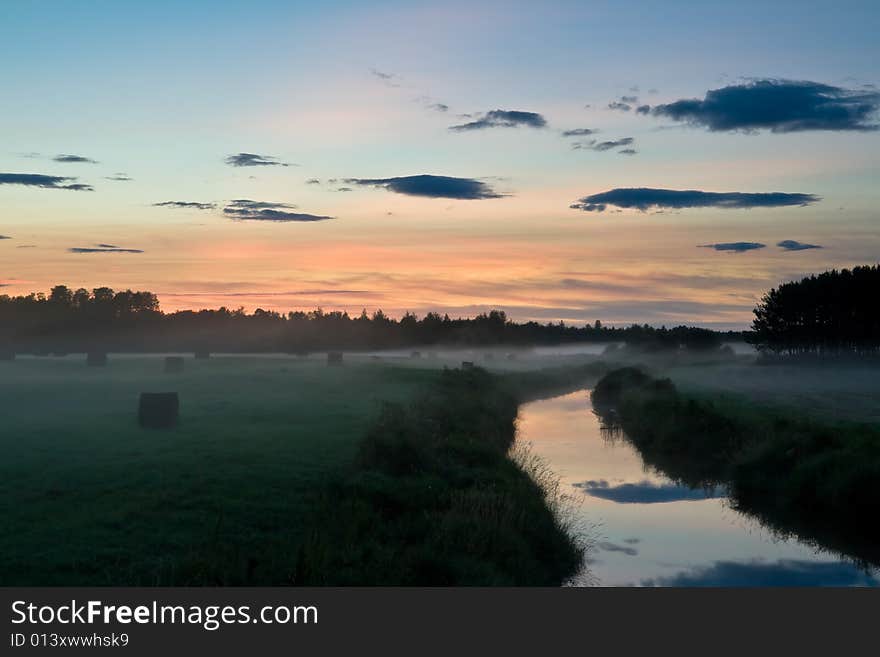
pixel 818 480
pixel 436 498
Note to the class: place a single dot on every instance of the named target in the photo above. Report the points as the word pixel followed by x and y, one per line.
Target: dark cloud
pixel 643 109
pixel 632 100
pixel 608 546
pixel 503 119
pixel 439 107
pixel 248 210
pixel 120 177
pixel 793 245
pixel 578 132
pixel 785 572
pixel 734 247
pixel 645 492
pixel 645 198
pixel 431 186
pixel 601 146
pixel 73 159
pixel 254 160
pixel 619 106
pixel 185 204
pixel 778 106
pixel 344 189
pixel 628 151
pixel 313 181
pixel 103 248
pixel 46 182
pixel 5 237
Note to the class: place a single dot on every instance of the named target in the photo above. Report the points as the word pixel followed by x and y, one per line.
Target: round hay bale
pixel 96 359
pixel 174 364
pixel 334 358
pixel 158 410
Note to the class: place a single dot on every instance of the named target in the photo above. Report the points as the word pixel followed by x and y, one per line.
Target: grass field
pixel 87 496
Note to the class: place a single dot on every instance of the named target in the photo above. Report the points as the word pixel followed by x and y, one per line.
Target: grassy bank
pixel 817 480
pixel 435 498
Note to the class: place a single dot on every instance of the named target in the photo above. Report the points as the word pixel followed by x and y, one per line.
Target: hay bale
pixel 158 410
pixel 202 354
pixel 467 364
pixel 96 359
pixel 7 354
pixel 334 358
pixel 174 364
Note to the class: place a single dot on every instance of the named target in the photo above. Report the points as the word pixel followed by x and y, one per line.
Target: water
pixel 648 531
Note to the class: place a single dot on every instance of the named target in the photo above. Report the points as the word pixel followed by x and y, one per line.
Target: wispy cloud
pixel 103 248
pixel 601 146
pixel 248 210
pixel 777 106
pixel 119 177
pixel 578 132
pixel 734 247
pixel 44 181
pixel 389 79
pixel 503 119
pixel 645 198
pixel 619 106
pixel 644 492
pixel 74 159
pixel 254 160
pixel 794 245
pixel 431 186
pixel 194 205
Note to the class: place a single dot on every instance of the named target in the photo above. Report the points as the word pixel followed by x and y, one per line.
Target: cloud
pixel 602 146
pixel 614 547
pixel 619 106
pixel 628 151
pixel 254 160
pixel 785 572
pixel 735 247
pixel 578 132
pixel 431 186
pixel 629 99
pixel 44 181
pixel 643 109
pixel 313 181
pixel 503 119
pixel 439 107
pixel 793 245
pixel 185 204
pixel 644 198
pixel 389 79
pixel 247 210
pixel 71 159
pixel 5 237
pixel 121 177
pixel 777 106
pixel 645 492
pixel 103 248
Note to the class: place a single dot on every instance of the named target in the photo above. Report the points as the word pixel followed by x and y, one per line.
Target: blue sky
pixel 165 92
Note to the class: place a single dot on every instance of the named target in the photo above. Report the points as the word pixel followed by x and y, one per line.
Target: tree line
pixel 835 313
pixel 69 320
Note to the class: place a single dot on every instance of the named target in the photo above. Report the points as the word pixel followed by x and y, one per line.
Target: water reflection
pixel 649 530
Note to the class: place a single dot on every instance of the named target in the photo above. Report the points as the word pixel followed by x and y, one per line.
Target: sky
pixel 627 162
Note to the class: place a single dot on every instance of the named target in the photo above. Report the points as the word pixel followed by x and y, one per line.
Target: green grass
pixel 88 497
pixel 435 498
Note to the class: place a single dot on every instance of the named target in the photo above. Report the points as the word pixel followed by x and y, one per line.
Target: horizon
pixel 663 164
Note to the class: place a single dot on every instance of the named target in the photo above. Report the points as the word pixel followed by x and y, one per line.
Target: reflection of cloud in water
pixel 614 547
pixel 645 492
pixel 785 572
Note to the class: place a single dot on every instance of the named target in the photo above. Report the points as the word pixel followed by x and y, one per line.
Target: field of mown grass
pixel 88 497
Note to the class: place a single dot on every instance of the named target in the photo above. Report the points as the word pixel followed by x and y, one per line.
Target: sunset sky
pixel 267 154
